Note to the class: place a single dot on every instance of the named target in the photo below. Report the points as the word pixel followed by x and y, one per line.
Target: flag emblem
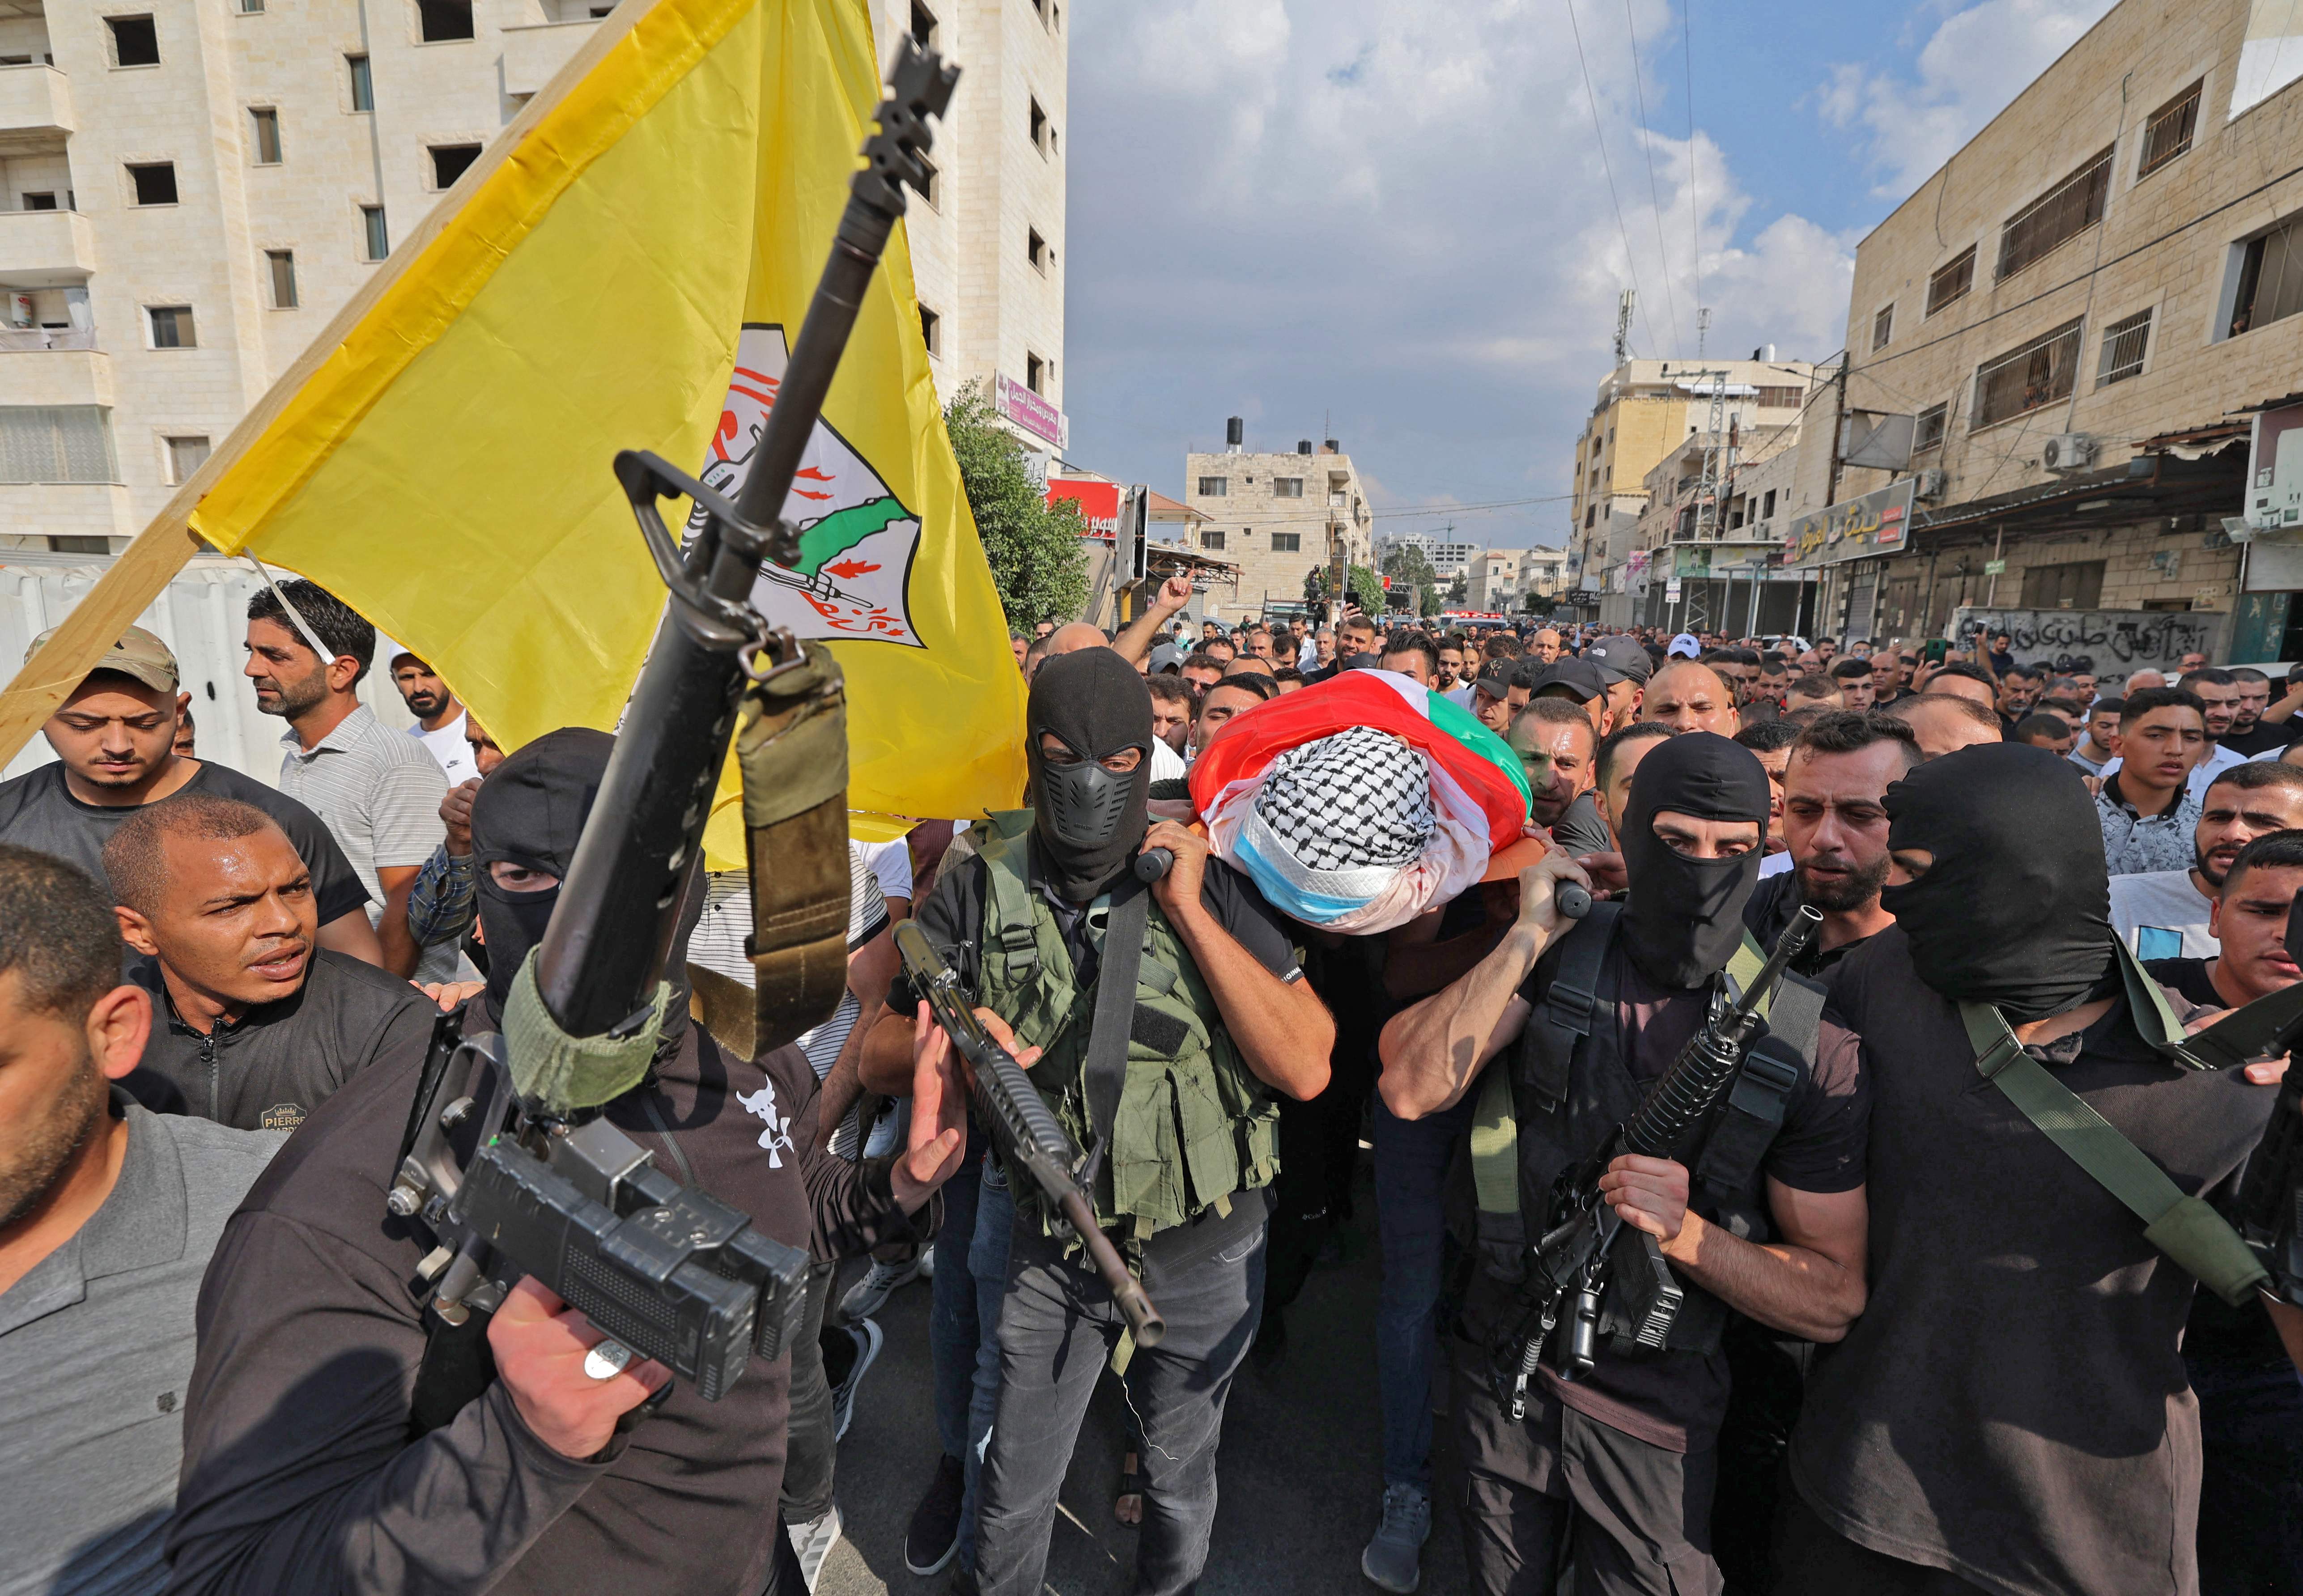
pixel 856 539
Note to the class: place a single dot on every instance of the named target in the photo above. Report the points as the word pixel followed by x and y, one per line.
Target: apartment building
pixel 1492 580
pixel 1279 517
pixel 191 189
pixel 1722 542
pixel 1447 557
pixel 2055 347
pixel 1644 410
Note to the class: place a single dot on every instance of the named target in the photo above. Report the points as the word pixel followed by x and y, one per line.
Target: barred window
pixel 2038 373
pixel 65 443
pixel 1928 433
pixel 1951 280
pixel 2124 345
pixel 2057 217
pixel 2168 132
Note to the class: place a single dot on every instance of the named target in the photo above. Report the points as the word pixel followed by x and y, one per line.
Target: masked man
pixel 1179 1102
pixel 1622 1464
pixel 304 1469
pixel 2011 1412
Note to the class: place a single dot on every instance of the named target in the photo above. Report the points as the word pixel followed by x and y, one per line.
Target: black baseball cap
pixel 1619 658
pixel 1495 682
pixel 1582 676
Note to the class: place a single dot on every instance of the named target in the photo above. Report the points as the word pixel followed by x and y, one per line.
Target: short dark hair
pixel 2106 706
pixel 2069 707
pixel 1852 730
pixel 1503 646
pixel 1557 711
pixel 1967 708
pixel 57 933
pixel 1413 643
pixel 1850 668
pixel 2144 700
pixel 1971 671
pixel 336 622
pixel 1254 681
pixel 2255 775
pixel 1200 659
pixel 1604 760
pixel 1287 673
pixel 136 856
pixel 2210 674
pixel 1765 736
pixel 2248 673
pixel 2028 672
pixel 2276 850
pixel 1813 685
pixel 1218 641
pixel 1174 689
pixel 2054 727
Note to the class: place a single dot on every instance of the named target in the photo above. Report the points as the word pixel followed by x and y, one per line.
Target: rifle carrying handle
pixel 1143 1321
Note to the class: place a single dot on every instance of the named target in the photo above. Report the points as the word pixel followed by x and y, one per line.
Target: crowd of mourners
pixel 1922 1348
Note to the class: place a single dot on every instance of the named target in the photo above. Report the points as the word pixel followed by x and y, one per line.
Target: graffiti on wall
pixel 2117 640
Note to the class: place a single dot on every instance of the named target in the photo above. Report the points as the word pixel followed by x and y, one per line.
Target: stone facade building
pixel 191 189
pixel 1279 517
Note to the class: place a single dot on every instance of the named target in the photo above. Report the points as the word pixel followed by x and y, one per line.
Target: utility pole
pixel 1624 304
pixel 1702 328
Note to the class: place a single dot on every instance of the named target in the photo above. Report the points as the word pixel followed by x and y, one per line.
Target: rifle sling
pixel 1103 1071
pixel 2186 1230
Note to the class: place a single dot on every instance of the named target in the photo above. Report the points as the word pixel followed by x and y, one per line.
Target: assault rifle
pixel 510 1165
pixel 1570 1268
pixel 1026 1135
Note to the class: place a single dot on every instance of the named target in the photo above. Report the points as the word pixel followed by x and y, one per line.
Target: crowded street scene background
pixel 1673 976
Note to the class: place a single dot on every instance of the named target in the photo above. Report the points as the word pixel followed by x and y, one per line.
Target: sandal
pixel 1127 1505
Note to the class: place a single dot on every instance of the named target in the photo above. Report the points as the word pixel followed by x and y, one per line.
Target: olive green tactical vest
pixel 1194 1125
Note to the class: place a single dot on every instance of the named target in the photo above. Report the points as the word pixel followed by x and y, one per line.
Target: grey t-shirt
pixel 95 1351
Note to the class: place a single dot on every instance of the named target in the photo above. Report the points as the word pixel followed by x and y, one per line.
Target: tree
pixel 1038 564
pixel 1432 603
pixel 1411 567
pixel 1367 587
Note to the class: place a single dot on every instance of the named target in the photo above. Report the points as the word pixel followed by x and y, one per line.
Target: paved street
pixel 1301 1472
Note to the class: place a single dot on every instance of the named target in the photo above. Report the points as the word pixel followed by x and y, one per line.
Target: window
pixel 374 239
pixel 1779 398
pixel 931 330
pixel 1767 504
pixel 68 442
pixel 282 265
pixel 172 326
pixel 363 86
pixel 135 41
pixel 1214 487
pixel 2075 587
pixel 2057 217
pixel 40 202
pixel 78 545
pixel 184 457
pixel 251 8
pixel 155 184
pixel 450 162
pixel 1286 488
pixel 2124 345
pixel 924 26
pixel 1035 249
pixel 2270 278
pixel 1883 327
pixel 264 125
pixel 440 22
pixel 1286 542
pixel 2168 132
pixel 1590 515
pixel 1039 128
pixel 2023 379
pixel 1035 373
pixel 1211 540
pixel 1928 433
pixel 932 191
pixel 1951 281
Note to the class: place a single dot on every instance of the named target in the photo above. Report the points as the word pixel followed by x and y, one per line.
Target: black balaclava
pixel 1089 821
pixel 1686 917
pixel 529 811
pixel 2016 909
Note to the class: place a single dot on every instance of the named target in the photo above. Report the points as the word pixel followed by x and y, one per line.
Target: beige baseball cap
pixel 138 653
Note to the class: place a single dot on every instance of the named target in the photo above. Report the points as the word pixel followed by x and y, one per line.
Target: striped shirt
pixel 379 794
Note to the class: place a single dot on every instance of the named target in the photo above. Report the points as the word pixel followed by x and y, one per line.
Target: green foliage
pixel 1410 568
pixel 1367 587
pixel 1038 564
pixel 1432 603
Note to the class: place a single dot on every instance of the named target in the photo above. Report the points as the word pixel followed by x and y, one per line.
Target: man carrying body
pixel 1626 1455
pixel 1235 694
pixel 108 1216
pixel 1836 819
pixel 1226 1023
pixel 2165 914
pixel 1554 742
pixel 379 794
pixel 439 716
pixel 2011 1412
pixel 114 738
pixel 2146 812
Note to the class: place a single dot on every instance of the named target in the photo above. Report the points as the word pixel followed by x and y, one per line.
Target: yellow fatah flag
pixel 625 268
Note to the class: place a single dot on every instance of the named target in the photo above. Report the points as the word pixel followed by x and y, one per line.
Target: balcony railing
pixel 15 338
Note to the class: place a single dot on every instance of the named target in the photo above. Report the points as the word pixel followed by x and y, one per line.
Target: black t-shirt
pixel 1580 829
pixel 36 810
pixel 1769 915
pixel 2265 737
pixel 952 917
pixel 1675 1399
pixel 2012 1406
pixel 2188 977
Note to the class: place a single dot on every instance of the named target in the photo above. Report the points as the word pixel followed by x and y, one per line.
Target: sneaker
pixel 1390 1559
pixel 843 1395
pixel 812 1543
pixel 933 1540
pixel 869 1294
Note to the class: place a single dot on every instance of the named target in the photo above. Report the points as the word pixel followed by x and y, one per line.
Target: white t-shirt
pixel 1774 864
pixel 448 747
pixel 1166 764
pixel 891 862
pixel 2159 914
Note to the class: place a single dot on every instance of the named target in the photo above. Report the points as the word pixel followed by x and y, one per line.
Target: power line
pixel 1599 136
pixel 1694 217
pixel 1655 196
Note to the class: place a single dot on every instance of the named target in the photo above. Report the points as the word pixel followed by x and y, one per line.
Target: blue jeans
pixel 1411 1170
pixel 987 1265
pixel 952 1323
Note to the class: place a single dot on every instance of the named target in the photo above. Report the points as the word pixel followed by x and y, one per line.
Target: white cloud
pixel 1395 215
pixel 1976 62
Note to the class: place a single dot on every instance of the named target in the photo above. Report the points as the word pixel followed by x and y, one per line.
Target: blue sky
pixel 1394 213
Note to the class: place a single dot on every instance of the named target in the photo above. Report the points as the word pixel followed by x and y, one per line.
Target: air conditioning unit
pixel 2067 451
pixel 1931 484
